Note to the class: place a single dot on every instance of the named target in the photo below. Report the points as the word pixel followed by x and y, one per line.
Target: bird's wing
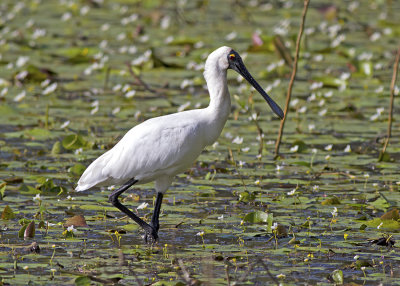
pixel 160 145
pixel 153 148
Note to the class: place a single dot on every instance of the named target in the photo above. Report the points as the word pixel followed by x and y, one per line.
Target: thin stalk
pixel 237 169
pixel 46 118
pixel 107 77
pixel 228 280
pixel 392 87
pixel 139 79
pixel 293 76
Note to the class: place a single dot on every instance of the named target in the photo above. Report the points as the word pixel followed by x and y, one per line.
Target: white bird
pixel 162 147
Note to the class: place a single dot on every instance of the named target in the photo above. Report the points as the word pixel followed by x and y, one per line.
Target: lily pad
pixel 75 141
pixel 331 201
pixel 337 276
pixel 76 221
pixel 258 217
pixel 391 215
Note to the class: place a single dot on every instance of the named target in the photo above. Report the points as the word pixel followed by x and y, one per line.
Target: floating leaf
pixel 13 180
pixel 246 197
pixel 83 281
pixel 258 217
pixel 6 110
pixel 380 203
pixel 302 163
pixel 159 62
pixel 301 146
pixel 38 74
pixel 77 169
pixel 331 201
pixel 24 221
pixel 74 141
pixel 330 81
pixel 45 184
pixel 173 283
pixel 7 213
pixel 391 215
pixel 353 111
pixel 337 276
pixel 76 221
pixel 130 227
pixel 27 189
pixel 80 57
pixel 384 224
pixel 361 263
pixel 183 41
pixel 56 149
pixel 38 133
pixel 385 157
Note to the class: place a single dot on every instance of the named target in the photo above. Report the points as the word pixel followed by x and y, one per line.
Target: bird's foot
pixel 150 235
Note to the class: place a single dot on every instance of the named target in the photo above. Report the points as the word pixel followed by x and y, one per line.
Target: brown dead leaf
pixel 391 215
pixel 76 221
pixel 30 230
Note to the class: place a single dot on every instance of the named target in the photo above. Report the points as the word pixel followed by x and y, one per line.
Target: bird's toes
pixel 150 237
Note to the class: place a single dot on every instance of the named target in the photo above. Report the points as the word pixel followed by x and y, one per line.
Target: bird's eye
pixel 232 56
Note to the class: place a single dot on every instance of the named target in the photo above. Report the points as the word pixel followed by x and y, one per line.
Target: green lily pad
pixel 384 224
pixel 74 141
pixel 77 169
pixel 38 133
pixel 331 201
pixel 337 276
pixel 329 81
pixel 246 197
pixel 258 217
pixel 83 281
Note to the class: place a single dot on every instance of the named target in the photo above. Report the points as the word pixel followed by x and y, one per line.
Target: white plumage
pixel 161 147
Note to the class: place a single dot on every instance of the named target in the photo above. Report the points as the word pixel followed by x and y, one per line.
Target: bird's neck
pixel 220 100
pixel 220 103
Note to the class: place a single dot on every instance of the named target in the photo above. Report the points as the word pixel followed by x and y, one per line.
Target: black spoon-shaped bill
pixel 236 63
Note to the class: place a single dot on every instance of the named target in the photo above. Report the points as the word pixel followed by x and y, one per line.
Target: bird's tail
pixel 93 175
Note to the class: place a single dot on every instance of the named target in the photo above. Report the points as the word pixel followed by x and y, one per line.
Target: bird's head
pixel 227 58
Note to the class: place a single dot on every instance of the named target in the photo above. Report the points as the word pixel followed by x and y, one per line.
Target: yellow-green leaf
pixel 7 213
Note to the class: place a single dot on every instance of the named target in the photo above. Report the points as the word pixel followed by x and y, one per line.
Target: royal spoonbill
pixel 162 147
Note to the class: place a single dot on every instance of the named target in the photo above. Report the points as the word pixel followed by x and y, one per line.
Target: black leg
pixel 156 214
pixel 151 234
